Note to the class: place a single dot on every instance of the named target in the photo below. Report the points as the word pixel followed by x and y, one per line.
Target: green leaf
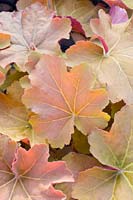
pixel 114 150
pixel 80 142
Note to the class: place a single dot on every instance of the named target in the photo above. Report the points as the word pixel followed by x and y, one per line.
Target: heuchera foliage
pixel 66 118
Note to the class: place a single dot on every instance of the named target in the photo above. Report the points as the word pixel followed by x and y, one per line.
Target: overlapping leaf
pixel 116 3
pixel 118 15
pixel 80 142
pixel 4 40
pixel 22 4
pixel 128 3
pixel 113 65
pixel 13 114
pixel 113 149
pixel 76 163
pixel 63 99
pixel 82 10
pixel 28 174
pixel 2 76
pixel 33 29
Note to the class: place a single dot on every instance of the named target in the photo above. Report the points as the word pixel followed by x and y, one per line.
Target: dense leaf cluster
pixel 66 100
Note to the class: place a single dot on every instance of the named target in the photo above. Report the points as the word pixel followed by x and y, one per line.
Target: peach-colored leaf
pixel 76 163
pixel 63 99
pixel 114 150
pixel 4 41
pixel 28 174
pixel 96 183
pixel 112 59
pixel 33 29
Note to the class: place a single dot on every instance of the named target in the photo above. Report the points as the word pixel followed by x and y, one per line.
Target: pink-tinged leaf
pixel 118 15
pixel 113 67
pixel 116 3
pixel 28 174
pixel 76 26
pixel 103 27
pixel 64 99
pixel 33 29
pixel 76 163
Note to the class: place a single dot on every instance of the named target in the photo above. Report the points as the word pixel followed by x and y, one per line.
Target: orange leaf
pixel 63 99
pixel 4 40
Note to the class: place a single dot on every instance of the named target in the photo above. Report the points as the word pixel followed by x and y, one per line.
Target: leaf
pixel 116 3
pixel 64 99
pixel 113 149
pixel 76 163
pixel 118 15
pixel 128 3
pixel 22 4
pixel 33 29
pixel 80 142
pixel 4 40
pixel 82 11
pixel 28 174
pixel 111 60
pixel 116 107
pixel 13 114
pixel 2 77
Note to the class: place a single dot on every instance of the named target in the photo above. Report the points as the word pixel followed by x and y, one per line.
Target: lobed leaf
pixel 82 11
pixel 28 174
pixel 13 114
pixel 33 29
pixel 114 150
pixel 64 99
pixel 111 60
pixel 76 163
